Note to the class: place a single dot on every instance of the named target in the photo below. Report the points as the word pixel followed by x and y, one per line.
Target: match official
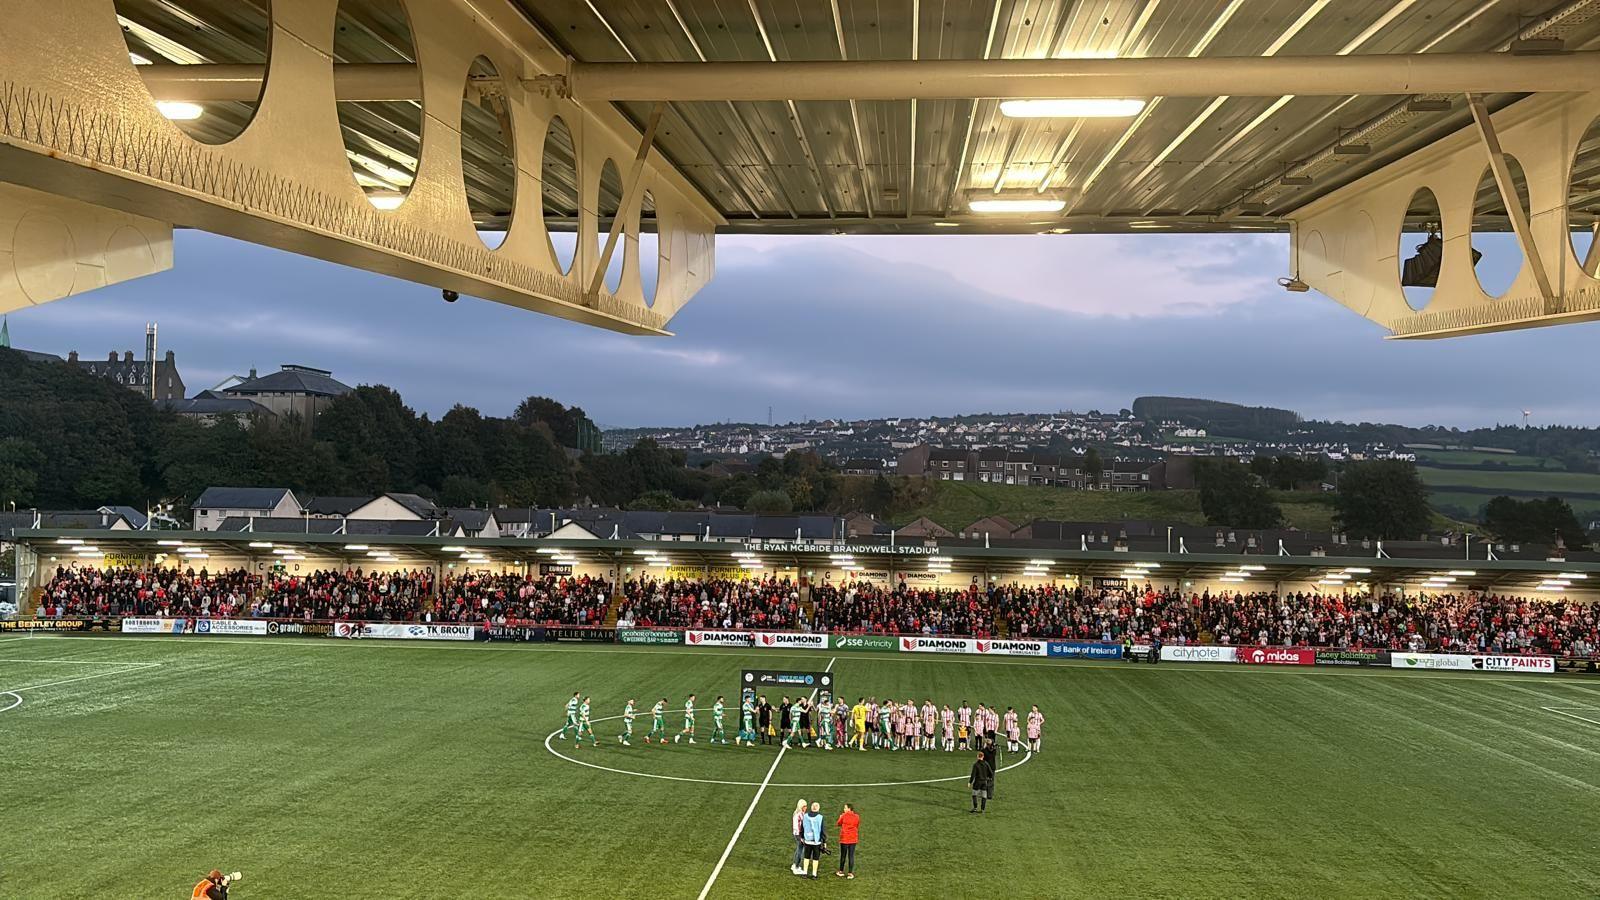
pixel 981 781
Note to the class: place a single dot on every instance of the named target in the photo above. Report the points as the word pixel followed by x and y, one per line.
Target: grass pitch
pixel 391 770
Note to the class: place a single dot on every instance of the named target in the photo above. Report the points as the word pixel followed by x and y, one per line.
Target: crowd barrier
pixel 791 640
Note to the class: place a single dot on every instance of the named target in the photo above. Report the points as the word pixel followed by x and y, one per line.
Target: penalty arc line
pixel 726 851
pixel 17 692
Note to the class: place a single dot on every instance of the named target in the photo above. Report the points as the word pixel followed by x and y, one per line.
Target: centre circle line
pixel 1027 755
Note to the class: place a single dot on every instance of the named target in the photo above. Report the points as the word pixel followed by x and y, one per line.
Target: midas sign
pixel 938 645
pixel 1011 648
pixel 787 639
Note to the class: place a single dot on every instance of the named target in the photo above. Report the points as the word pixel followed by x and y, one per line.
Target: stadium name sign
pixel 851 549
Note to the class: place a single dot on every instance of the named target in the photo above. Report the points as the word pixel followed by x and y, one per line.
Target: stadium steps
pixel 612 609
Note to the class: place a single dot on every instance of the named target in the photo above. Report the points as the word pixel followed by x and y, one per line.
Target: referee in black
pixel 764 719
pixel 981 781
pixel 991 755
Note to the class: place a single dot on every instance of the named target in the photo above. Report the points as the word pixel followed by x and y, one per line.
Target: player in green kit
pixel 585 726
pixel 688 721
pixel 825 724
pixel 658 722
pixel 716 723
pixel 747 724
pixel 628 714
pixel 572 715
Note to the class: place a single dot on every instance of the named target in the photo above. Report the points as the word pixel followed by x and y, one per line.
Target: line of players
pixel 828 725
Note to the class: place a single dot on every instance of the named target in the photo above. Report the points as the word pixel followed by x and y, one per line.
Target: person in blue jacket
pixel 813 836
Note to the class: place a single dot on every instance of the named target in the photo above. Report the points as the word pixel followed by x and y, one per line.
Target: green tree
pixel 1534 521
pixel 1093 466
pixel 880 497
pixel 1230 494
pixel 657 500
pixel 773 502
pixel 20 463
pixel 1383 499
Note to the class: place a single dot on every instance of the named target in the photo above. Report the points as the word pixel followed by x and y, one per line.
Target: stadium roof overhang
pixel 1253 571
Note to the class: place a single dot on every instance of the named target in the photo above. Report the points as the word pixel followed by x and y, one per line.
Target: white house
pixel 396 506
pixel 217 503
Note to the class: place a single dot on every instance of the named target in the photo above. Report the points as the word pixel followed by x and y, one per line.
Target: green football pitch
pixel 396 770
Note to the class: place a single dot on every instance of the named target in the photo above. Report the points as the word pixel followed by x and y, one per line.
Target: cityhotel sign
pixel 851 549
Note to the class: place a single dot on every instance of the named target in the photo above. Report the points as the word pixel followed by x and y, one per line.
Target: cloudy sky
pixel 820 327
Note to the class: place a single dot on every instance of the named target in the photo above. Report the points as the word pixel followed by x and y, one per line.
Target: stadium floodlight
pixel 1017 205
pixel 1072 108
pixel 1357 570
pixel 1145 565
pixel 261 545
pixel 356 547
pixel 180 110
pixel 1461 573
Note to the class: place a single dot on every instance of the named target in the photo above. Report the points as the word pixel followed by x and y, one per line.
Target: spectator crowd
pixel 1468 622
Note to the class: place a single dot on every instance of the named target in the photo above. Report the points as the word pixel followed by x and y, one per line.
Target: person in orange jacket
pixel 214 886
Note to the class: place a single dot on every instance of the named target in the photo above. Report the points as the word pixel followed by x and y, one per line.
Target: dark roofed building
pixel 209 409
pixel 216 504
pixel 134 374
pixel 325 507
pixel 298 391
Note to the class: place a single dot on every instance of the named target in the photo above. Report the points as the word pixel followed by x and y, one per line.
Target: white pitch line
pixel 753 801
pixel 1558 711
pixel 17 692
pixel 11 640
pixel 1027 755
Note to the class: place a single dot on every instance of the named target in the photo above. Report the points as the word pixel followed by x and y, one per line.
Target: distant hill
pixel 1217 417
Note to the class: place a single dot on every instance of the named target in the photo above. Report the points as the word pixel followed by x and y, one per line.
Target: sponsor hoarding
pixel 46 625
pixel 1529 664
pixel 572 635
pixel 1276 656
pixel 230 626
pixel 718 638
pixel 1110 584
pixel 511 633
pixel 865 642
pixel 1009 648
pixel 648 636
pixel 763 678
pixel 299 629
pixel 145 625
pixel 1192 653
pixel 415 631
pixel 1328 657
pixel 555 568
pixel 923 644
pixel 791 640
pixel 1083 650
pixel 1455 661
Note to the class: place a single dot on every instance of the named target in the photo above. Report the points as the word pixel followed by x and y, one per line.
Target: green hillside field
pixel 956 504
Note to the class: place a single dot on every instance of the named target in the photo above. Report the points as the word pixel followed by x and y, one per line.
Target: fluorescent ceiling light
pixel 659 563
pixel 158 543
pixel 261 545
pixel 941 559
pixel 283 551
pixel 356 547
pixel 1232 578
pixel 840 557
pixel 200 555
pixel 294 556
pixel 1072 108
pixel 635 553
pixel 1146 565
pixel 385 199
pixel 80 540
pixel 87 549
pixel 1252 568
pixel 1336 576
pixel 455 550
pixel 744 554
pixel 1044 562
pixel 751 565
pixel 1464 573
pixel 1578 575
pixel 180 110
pixel 1358 570
pixel 1003 205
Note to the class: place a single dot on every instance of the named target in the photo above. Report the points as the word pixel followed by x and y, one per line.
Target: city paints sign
pixel 1198 654
pixel 718 638
pixel 789 640
pixel 1536 665
pixel 1011 648
pixel 1276 656
pixel 1453 661
pixel 938 645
